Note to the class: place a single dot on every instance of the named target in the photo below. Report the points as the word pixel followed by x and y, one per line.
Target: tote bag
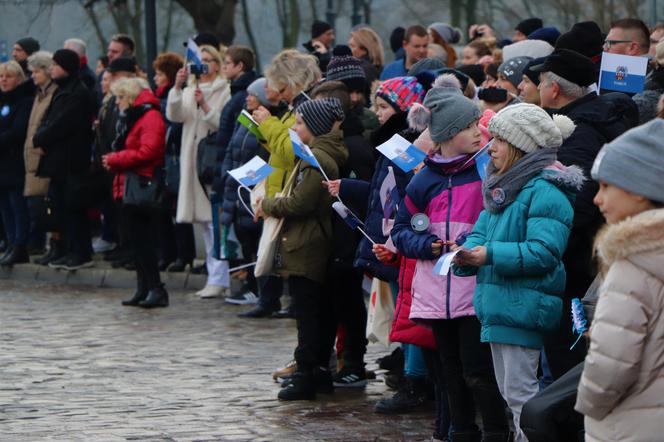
pixel 381 313
pixel 267 245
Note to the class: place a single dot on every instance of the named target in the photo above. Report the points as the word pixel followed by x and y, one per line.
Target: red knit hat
pixel 401 92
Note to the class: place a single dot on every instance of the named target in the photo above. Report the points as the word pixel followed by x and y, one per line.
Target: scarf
pixel 499 191
pixel 125 122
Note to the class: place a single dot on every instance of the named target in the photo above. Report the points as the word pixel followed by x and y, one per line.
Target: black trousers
pixel 75 219
pixel 309 305
pixel 271 289
pixel 436 373
pixel 344 294
pixel 141 232
pixel 248 239
pixel 469 376
pixel 175 240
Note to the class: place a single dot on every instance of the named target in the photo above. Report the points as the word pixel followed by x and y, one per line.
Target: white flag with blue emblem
pixel 402 153
pixel 302 150
pixel 194 54
pixel 623 73
pixel 252 173
pixel 442 267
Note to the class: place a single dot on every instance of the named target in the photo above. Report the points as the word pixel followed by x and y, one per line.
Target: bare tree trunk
pixel 455 12
pixel 215 16
pixel 250 33
pixel 366 8
pixel 471 14
pixel 92 15
pixel 169 25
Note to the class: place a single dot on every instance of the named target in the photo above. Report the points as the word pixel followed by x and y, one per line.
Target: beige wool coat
pixel 181 107
pixel 34 185
pixel 621 392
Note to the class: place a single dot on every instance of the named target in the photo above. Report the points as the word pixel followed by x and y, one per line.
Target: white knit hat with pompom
pixel 528 127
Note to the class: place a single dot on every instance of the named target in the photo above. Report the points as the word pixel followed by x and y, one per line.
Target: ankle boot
pixel 139 296
pixel 18 255
pixel 157 297
pixel 8 252
pixel 55 251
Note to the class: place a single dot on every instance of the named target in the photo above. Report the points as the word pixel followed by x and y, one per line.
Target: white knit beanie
pixel 528 127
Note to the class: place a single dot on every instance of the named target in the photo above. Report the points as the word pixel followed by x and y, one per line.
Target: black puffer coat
pixel 15 107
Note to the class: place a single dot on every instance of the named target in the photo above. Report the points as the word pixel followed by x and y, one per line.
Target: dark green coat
pixel 306 237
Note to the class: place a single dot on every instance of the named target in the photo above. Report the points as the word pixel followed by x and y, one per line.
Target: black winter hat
pixel 205 38
pixel 585 38
pixel 532 75
pixel 29 45
pixel 346 68
pixel 529 25
pixel 396 38
pixel 122 64
pixel 320 115
pixel 67 60
pixel 474 71
pixel 570 65
pixel 318 28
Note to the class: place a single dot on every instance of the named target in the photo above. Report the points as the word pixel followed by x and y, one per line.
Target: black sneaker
pixel 60 263
pixel 393 361
pixel 348 378
pixel 246 298
pixel 76 263
pixel 300 388
pixel 407 399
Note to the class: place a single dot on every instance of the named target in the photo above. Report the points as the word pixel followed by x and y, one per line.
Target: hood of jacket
pixel 639 239
pixel 610 114
pixel 147 97
pixel 395 124
pixel 243 81
pixel 333 145
pixel 569 179
pixel 352 125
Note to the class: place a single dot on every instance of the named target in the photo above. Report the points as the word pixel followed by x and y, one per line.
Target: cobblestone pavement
pixel 75 365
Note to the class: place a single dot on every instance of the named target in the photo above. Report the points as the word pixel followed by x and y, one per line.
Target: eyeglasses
pixel 609 43
pixel 208 60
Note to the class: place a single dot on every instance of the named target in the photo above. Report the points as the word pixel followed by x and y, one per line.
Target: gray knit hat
pixel 633 161
pixel 320 115
pixel 513 69
pixel 450 34
pixel 451 112
pixel 528 127
pixel 257 89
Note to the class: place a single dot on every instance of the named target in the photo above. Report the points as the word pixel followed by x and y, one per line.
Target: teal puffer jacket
pixel 517 297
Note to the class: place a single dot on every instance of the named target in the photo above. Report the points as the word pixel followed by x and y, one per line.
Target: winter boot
pixel 300 388
pixel 157 297
pixel 409 397
pixel 18 255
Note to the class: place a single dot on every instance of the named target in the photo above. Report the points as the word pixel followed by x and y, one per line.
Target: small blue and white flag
pixel 482 159
pixel 252 173
pixel 442 267
pixel 350 218
pixel 402 153
pixel 302 150
pixel 623 73
pixel 194 54
pixel 389 194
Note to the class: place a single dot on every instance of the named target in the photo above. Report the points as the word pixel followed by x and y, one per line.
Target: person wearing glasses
pixel 198 106
pixel 629 36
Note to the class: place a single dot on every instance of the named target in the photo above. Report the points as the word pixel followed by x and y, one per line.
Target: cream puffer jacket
pixel 621 392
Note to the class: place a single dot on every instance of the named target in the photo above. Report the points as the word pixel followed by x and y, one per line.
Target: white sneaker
pixel 100 245
pixel 212 291
pixel 245 298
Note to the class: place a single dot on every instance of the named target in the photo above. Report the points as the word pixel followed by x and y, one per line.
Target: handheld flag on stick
pixel 389 194
pixel 442 267
pixel 252 173
pixel 350 218
pixel 623 73
pixel 248 121
pixel 402 153
pixel 579 322
pixel 303 151
pixel 482 159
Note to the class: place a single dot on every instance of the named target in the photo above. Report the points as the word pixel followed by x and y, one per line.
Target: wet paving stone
pixel 77 366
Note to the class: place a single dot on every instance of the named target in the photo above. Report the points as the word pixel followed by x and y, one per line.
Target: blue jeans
pixel 414 364
pixel 15 217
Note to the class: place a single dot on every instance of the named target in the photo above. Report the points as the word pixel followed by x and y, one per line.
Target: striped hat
pixel 401 92
pixel 343 66
pixel 320 115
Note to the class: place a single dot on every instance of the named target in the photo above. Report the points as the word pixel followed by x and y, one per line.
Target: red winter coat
pixel 144 147
pixel 403 329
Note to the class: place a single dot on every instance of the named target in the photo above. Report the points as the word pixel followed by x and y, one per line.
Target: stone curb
pixel 98 277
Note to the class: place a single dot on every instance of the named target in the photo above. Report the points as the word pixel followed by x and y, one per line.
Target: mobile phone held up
pixel 492 94
pixel 198 70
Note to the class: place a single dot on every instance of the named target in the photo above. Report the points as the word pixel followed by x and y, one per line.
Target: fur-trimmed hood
pixel 639 239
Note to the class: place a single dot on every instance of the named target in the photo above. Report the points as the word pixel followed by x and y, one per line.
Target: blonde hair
pixel 214 52
pixel 129 88
pixel 367 39
pixel 13 68
pixel 40 60
pixel 293 68
pixel 513 156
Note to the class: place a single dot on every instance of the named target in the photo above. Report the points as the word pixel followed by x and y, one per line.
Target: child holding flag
pixel 447 193
pixel 305 242
pixel 517 244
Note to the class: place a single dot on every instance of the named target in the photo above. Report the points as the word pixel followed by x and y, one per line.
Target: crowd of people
pixel 568 205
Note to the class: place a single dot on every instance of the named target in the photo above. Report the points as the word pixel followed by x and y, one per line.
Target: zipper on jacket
pixel 447 238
